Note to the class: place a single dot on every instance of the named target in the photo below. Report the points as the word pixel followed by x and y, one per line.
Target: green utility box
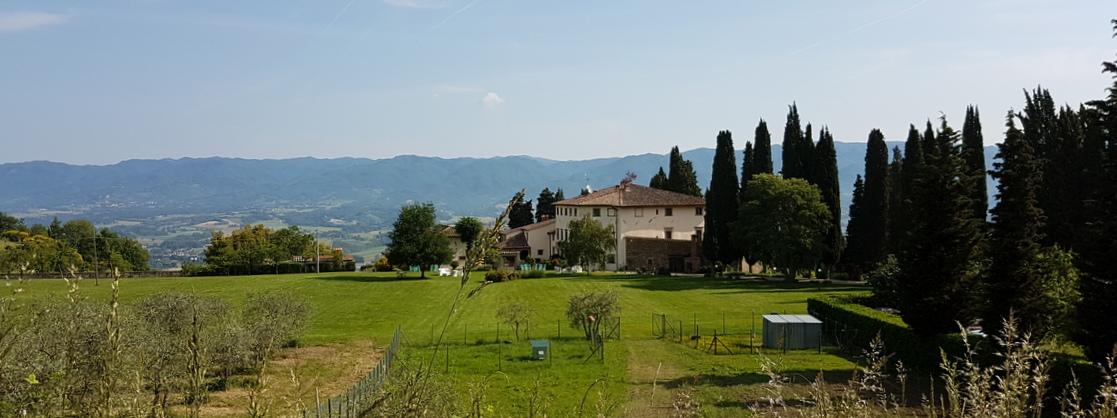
pixel 540 349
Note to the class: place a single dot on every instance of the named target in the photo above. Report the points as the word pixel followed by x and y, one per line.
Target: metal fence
pixel 357 399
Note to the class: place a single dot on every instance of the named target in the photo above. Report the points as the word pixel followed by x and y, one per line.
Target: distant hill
pixel 350 195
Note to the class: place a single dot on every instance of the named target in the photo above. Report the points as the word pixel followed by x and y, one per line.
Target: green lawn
pixel 356 306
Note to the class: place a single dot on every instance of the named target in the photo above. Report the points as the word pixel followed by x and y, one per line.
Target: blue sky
pixel 96 82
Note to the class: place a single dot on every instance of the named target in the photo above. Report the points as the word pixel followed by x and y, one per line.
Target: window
pixel 596 212
pixel 540 252
pixel 698 234
pixel 667 211
pixel 575 211
pixel 612 212
pixel 639 213
pixel 667 233
pixel 698 211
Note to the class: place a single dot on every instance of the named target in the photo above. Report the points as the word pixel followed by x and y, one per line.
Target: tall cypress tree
pixel 854 255
pixel 792 138
pixel 825 168
pixel 659 180
pixel 1014 239
pixel 748 167
pixel 721 203
pixel 937 256
pixel 762 148
pixel 680 176
pixel 559 195
pixel 973 149
pixel 521 215
pixel 875 205
pixel 806 155
pixel 911 166
pixel 1099 252
pixel 895 200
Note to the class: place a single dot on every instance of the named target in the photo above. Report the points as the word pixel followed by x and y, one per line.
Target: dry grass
pixel 331 369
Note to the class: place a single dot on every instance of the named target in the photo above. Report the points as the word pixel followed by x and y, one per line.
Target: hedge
pixel 851 323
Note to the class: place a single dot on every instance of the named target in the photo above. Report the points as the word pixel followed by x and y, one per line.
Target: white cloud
pixel 23 21
pixel 492 100
pixel 418 4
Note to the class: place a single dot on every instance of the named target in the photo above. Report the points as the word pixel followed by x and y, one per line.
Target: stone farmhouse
pixel 655 229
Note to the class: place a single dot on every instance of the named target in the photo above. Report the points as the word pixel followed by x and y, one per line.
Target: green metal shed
pixel 792 332
pixel 540 349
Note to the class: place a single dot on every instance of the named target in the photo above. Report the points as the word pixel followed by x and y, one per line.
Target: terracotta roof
pixel 534 226
pixel 517 241
pixel 632 195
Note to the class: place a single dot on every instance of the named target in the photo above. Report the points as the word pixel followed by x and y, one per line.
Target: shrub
pixel 884 280
pixel 502 275
pixel 533 274
pixel 856 325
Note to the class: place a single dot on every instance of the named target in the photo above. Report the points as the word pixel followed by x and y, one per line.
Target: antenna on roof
pixel 587 189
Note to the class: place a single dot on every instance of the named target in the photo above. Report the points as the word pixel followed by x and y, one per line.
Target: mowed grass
pixel 351 307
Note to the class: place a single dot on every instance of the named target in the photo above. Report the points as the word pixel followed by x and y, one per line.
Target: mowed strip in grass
pixel 368 306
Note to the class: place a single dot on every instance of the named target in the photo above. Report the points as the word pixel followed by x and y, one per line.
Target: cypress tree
pixel 854 255
pixel 875 204
pixel 1098 287
pixel 748 167
pixel 792 138
pixel 721 203
pixel 825 167
pixel 806 155
pixel 763 149
pixel 936 259
pixel 1014 239
pixel 559 195
pixel 680 176
pixel 659 180
pixel 973 149
pixel 895 200
pixel 911 166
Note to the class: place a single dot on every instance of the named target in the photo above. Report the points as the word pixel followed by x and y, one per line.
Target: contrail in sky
pixel 860 28
pixel 456 12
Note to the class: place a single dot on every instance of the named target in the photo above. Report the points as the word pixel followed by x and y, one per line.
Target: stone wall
pixel 674 255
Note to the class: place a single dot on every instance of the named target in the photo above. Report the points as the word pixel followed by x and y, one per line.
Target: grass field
pixel 355 308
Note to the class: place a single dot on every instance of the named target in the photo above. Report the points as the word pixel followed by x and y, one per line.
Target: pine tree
pixel 545 205
pixel 1040 125
pixel 659 180
pixel 1015 235
pixel 973 149
pixel 762 147
pixel 876 199
pixel 854 255
pixel 681 177
pixel 721 203
pixel 937 256
pixel 825 168
pixel 895 200
pixel 1098 287
pixel 792 138
pixel 521 215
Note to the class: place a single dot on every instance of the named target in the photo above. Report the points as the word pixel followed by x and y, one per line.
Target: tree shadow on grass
pixel 369 279
pixel 665 283
pixel 797 377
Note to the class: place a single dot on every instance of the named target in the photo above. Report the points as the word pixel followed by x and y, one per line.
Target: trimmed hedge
pixel 853 324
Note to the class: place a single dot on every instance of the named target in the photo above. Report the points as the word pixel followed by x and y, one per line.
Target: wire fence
pixel 358 398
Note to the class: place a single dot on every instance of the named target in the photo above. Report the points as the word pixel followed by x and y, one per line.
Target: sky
pixel 97 82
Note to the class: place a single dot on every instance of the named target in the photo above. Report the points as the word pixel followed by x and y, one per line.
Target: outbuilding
pixel 792 332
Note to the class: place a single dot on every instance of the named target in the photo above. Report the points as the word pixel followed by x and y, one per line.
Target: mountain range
pixel 349 199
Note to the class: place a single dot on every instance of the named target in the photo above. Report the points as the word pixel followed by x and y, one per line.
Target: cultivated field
pixel 356 313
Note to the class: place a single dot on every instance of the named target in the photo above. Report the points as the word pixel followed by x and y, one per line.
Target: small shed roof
pixel 540 343
pixel 791 319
